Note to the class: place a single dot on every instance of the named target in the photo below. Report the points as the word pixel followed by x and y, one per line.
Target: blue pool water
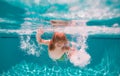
pixel 21 55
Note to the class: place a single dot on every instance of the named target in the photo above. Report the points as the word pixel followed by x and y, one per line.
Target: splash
pixel 81 58
pixel 88 30
pixel 82 30
pixel 29 46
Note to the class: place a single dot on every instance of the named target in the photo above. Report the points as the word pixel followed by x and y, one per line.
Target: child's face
pixel 59 44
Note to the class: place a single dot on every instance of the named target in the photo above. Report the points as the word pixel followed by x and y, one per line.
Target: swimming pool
pixel 21 55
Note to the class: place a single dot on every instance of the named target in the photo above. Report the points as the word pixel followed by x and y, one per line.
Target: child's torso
pixel 56 54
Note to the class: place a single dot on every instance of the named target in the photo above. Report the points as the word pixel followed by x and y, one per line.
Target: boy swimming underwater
pixel 58 47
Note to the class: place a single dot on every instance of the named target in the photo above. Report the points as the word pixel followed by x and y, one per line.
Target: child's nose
pixel 60 42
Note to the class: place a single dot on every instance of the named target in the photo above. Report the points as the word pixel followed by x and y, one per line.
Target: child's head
pixel 58 40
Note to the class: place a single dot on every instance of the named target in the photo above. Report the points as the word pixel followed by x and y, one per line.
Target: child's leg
pixel 68 23
pixel 59 23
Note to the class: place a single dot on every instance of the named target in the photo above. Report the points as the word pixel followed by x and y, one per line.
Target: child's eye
pixel 62 40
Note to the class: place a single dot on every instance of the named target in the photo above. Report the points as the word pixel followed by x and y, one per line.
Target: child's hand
pixel 71 52
pixel 40 31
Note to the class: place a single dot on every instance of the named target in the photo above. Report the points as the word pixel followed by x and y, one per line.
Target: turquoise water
pixel 21 55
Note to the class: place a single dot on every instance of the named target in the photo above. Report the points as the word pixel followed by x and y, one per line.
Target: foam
pixel 28 46
pixel 81 58
pixel 84 30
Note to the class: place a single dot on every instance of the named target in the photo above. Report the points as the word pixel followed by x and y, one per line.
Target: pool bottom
pixel 33 69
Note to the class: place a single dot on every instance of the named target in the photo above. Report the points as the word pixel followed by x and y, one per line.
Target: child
pixel 57 46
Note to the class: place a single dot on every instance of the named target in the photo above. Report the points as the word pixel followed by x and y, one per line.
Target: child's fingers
pixel 40 31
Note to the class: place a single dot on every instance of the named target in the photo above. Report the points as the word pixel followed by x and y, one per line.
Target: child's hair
pixel 58 37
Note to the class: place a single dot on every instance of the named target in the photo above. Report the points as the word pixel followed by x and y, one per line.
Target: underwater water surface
pixel 97 32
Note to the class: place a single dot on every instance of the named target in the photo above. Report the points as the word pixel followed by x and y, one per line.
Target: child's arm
pixel 72 49
pixel 39 39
